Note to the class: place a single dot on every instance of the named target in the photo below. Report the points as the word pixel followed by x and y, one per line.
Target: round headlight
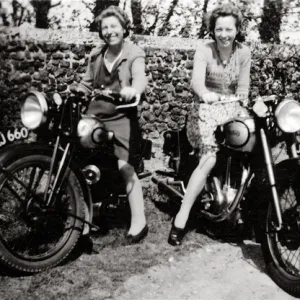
pixel 288 116
pixel 34 110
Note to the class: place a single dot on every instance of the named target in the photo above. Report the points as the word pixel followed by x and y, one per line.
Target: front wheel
pixel 34 237
pixel 281 249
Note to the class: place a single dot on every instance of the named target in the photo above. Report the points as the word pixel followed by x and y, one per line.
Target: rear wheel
pixel 34 237
pixel 281 249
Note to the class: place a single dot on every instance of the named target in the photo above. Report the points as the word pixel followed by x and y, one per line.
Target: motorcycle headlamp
pixel 288 116
pixel 34 110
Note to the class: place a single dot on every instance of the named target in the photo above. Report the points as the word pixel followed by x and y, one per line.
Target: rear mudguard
pixel 12 152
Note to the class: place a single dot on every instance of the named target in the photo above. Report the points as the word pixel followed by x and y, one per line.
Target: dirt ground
pixel 218 271
pixel 213 271
pixel 203 268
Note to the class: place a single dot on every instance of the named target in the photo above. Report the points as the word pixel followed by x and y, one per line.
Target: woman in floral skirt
pixel 221 67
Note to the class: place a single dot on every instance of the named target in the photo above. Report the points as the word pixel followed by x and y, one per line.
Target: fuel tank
pixel 238 134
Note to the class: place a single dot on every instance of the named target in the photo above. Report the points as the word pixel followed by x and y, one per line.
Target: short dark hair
pixel 225 11
pixel 113 11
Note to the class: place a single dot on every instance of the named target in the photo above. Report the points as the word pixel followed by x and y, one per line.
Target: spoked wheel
pixel 281 249
pixel 34 237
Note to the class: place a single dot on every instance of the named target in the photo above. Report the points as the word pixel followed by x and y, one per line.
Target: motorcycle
pixel 62 185
pixel 246 188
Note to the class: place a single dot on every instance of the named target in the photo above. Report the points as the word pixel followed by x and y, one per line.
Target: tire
pixel 34 238
pixel 281 249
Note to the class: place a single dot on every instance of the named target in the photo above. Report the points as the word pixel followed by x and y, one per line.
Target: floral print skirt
pixel 203 121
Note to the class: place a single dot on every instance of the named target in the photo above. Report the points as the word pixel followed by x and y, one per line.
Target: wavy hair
pixel 113 11
pixel 225 11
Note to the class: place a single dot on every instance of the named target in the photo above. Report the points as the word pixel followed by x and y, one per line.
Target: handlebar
pixel 233 98
pixel 105 93
pixel 116 96
pixel 267 98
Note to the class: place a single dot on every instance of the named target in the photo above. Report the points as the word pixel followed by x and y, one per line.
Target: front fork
pixel 270 170
pixel 61 172
pixel 65 159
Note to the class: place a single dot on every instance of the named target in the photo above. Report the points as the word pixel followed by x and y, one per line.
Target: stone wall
pixel 43 58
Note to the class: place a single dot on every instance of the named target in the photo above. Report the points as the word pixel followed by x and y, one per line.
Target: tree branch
pixel 54 5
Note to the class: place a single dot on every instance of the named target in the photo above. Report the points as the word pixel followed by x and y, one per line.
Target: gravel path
pixel 219 271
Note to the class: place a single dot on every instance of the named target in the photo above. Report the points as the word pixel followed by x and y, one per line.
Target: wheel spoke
pixel 42 230
pixel 22 184
pixel 31 180
pixel 285 245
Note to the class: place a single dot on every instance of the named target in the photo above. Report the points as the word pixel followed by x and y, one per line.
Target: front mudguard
pixel 260 197
pixel 12 152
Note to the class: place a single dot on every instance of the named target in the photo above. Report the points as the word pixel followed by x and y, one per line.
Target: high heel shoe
pixel 133 239
pixel 176 235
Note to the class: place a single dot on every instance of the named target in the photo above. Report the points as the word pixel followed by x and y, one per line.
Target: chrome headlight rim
pixel 284 117
pixel 34 121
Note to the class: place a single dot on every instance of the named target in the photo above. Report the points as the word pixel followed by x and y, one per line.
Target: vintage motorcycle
pixel 63 184
pixel 246 187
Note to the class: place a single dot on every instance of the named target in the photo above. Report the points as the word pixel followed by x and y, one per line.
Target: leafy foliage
pixel 41 8
pixel 182 18
pixel 269 27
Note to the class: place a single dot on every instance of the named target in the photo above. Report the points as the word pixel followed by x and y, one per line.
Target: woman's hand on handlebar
pixel 128 93
pixel 210 97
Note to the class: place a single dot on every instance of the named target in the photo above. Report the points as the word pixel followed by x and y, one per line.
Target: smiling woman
pixel 119 66
pixel 221 67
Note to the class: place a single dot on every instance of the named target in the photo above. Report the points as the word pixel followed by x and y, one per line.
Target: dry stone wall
pixel 43 58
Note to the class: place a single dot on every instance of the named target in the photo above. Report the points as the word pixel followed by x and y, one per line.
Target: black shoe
pixel 176 235
pixel 132 239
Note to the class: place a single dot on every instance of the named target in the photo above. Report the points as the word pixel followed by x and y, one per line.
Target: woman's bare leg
pixel 195 186
pixel 135 197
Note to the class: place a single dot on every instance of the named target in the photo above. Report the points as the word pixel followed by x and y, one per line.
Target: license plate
pixel 11 134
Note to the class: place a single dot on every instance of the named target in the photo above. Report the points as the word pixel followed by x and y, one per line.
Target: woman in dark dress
pixel 119 65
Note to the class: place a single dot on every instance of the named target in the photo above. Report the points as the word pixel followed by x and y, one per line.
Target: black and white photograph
pixel 149 149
